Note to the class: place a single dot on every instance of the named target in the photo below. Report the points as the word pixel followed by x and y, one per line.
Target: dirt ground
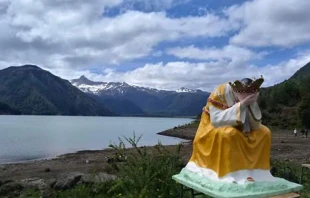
pixel 85 162
pixel 284 147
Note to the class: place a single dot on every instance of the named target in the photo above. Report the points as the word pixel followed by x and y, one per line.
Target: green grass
pixel 291 172
pixel 142 173
pixel 146 173
pixel 30 193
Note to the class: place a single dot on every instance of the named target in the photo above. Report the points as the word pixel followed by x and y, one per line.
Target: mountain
pixel 119 106
pixel 143 100
pixel 186 90
pixel 32 90
pixel 7 110
pixel 302 72
pixel 287 104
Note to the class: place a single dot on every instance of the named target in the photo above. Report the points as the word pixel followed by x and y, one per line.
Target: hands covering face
pixel 247 98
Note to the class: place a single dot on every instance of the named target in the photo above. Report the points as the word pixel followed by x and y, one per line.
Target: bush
pixel 146 172
pixel 142 172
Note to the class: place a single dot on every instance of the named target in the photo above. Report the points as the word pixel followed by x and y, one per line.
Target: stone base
pixel 222 189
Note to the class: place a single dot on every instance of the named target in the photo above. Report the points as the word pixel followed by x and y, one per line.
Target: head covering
pixel 247 85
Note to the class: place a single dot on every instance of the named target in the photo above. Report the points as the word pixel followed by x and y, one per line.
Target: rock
pixel 5 182
pixel 67 181
pixel 47 170
pixel 33 183
pixel 51 183
pixel 40 184
pixel 96 178
pixel 11 189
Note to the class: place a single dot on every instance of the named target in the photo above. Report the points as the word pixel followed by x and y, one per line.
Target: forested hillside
pixel 287 105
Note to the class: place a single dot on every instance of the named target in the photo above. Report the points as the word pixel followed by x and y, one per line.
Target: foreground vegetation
pixel 141 173
pixel 146 173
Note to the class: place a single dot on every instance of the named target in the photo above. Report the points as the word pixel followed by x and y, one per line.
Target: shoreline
pixel 81 152
pixel 281 141
pixel 28 161
pixel 138 116
pixel 86 165
pixel 284 145
pixel 82 161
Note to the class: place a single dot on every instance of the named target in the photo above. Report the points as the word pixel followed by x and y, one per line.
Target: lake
pixel 35 137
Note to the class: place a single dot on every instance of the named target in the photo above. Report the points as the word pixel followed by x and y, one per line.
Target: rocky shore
pixel 86 167
pixel 59 173
pixel 62 172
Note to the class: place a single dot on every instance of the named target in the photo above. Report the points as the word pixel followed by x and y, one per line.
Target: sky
pixel 164 44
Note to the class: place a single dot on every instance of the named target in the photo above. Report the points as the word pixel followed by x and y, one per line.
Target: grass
pixel 142 173
pixel 291 172
pixel 146 173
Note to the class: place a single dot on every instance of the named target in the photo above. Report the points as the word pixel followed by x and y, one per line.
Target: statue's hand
pixel 249 99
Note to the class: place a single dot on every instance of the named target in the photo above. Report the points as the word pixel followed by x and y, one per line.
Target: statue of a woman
pixel 231 149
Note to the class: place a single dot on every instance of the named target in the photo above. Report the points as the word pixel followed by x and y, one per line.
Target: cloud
pixel 229 52
pixel 149 6
pixel 77 34
pixel 203 75
pixel 271 23
pixel 76 37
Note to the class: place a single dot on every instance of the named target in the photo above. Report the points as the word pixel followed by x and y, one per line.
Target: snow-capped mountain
pixel 181 102
pixel 93 87
pixel 186 90
pixel 104 86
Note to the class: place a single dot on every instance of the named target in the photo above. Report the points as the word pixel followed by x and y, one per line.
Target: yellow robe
pixel 221 145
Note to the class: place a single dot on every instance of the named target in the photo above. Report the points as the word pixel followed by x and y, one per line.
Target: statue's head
pixel 247 85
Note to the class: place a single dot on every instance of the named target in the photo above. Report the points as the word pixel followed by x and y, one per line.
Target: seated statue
pixel 231 145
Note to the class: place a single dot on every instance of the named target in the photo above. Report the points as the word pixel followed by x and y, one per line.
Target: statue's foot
pixel 250 179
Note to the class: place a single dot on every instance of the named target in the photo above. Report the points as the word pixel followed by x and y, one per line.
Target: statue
pixel 231 149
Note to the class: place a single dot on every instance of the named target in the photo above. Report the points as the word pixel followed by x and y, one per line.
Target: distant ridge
pixel 33 91
pixel 143 100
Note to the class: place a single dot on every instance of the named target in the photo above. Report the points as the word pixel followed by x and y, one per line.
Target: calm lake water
pixel 35 137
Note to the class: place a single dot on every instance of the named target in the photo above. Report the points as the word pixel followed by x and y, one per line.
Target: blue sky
pixel 165 44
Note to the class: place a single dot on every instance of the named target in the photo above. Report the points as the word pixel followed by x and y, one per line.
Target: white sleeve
pixel 228 117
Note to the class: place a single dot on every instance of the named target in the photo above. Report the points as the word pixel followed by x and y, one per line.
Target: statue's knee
pixel 265 130
pixel 231 133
